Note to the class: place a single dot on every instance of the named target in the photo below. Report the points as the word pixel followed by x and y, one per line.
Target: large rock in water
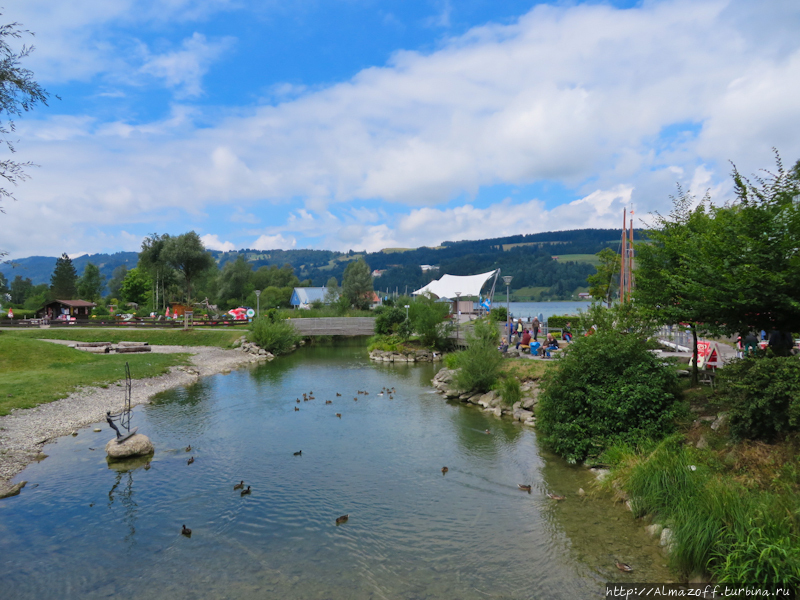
pixel 136 445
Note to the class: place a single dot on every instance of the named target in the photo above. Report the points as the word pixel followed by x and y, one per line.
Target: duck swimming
pixel 624 567
pixel 247 491
pixel 239 485
pixel 190 461
pixel 189 448
pixel 444 470
pixel 296 409
pixel 328 401
pixel 524 488
pixel 298 453
pixel 556 497
pixel 339 415
pixel 186 531
pixel 342 519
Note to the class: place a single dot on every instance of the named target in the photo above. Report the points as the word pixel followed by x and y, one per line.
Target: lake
pixel 85 529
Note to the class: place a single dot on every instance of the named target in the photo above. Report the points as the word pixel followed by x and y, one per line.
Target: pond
pixel 84 529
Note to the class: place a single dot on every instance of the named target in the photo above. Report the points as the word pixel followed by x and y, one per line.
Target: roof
pixel 72 303
pixel 448 285
pixel 307 295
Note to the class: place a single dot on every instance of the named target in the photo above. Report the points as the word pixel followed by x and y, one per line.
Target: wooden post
pixel 622 257
pixel 630 260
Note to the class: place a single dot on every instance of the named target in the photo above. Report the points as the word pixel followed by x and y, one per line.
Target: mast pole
pixel 622 257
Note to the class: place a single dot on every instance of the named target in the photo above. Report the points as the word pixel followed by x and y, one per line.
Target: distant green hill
pixel 526 257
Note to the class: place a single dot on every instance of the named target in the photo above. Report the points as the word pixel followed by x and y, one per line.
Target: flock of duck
pixel 343 519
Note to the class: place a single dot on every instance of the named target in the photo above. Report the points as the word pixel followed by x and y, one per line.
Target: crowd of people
pixel 528 338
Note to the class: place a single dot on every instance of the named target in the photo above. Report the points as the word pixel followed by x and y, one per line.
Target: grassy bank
pixel 166 337
pixel 33 372
pixel 733 507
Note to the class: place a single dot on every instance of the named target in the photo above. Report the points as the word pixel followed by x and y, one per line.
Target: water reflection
pixel 412 532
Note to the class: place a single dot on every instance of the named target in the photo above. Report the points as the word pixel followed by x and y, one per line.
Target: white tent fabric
pixel 448 285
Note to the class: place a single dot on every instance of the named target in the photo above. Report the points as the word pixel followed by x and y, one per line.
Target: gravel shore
pixel 25 431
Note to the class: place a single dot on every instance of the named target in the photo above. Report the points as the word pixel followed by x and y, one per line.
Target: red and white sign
pixel 708 356
pixel 10 313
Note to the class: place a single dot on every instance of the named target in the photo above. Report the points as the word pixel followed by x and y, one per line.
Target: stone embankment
pixel 405 357
pixel 491 402
pixel 252 348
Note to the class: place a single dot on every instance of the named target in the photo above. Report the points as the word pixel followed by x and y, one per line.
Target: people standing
pixel 520 328
pixel 535 327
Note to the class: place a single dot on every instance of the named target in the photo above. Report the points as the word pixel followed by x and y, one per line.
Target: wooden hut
pixel 63 309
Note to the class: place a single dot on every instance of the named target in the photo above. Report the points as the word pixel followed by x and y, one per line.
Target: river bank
pixel 24 432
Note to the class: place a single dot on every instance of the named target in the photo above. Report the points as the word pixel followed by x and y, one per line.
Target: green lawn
pixel 579 258
pixel 34 372
pixel 156 337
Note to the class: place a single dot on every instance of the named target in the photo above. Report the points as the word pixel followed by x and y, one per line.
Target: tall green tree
pixel 19 93
pixel 673 285
pixel 20 288
pixel 605 281
pixel 3 284
pixel 331 291
pixel 152 260
pixel 235 280
pixel 90 285
pixel 186 254
pixel 136 287
pixel 64 280
pixel 357 284
pixel 115 283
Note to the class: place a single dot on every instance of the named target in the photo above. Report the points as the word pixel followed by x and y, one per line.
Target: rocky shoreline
pixel 24 432
pixel 491 402
pixel 413 356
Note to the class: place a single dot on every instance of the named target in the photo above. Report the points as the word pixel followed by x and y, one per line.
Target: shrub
pixel 607 388
pixel 499 314
pixel 386 343
pixel 765 396
pixel 100 311
pixel 560 321
pixel 510 390
pixel 479 364
pixel 428 321
pixel 388 319
pixel 275 336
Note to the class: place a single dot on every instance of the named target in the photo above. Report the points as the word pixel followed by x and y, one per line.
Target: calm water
pixel 82 529
pixel 526 310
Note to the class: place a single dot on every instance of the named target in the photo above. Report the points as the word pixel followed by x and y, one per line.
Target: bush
pixel 479 364
pixel 765 396
pixel 428 321
pixel 560 321
pixel 388 319
pixel 608 388
pixel 100 311
pixel 19 313
pixel 275 336
pixel 510 390
pixel 386 343
pixel 499 314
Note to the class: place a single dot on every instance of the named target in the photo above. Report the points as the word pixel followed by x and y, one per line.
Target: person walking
pixel 535 328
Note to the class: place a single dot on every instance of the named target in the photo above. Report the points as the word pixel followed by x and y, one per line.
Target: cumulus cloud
pixel 212 242
pixel 574 94
pixel 273 242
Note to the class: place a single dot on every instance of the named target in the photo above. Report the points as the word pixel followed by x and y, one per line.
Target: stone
pixel 475 398
pixel 261 352
pixel 722 418
pixel 516 406
pixel 530 422
pixel 702 443
pixel 522 415
pixel 498 412
pixel 667 539
pixel 600 474
pixel 136 445
pixel 74 433
pixel 682 373
pixel 654 530
pixel 581 492
pixel 97 430
pixel 528 403
pixel 7 490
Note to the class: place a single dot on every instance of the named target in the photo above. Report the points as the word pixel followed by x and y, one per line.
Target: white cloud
pixel 578 95
pixel 273 242
pixel 212 242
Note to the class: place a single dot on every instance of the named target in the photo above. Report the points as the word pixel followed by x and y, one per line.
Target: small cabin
pixel 302 297
pixel 64 309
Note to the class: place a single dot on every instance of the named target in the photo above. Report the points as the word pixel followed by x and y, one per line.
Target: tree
pixel 90 285
pixel 332 291
pixel 136 286
pixel 64 280
pixel 151 259
pixel 115 283
pixel 235 279
pixel 20 288
pixel 357 284
pixel 602 283
pixel 3 284
pixel 186 254
pixel 18 93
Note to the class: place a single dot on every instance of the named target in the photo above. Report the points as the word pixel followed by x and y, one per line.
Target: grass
pixel 526 368
pixel 579 258
pixel 34 372
pixel 169 337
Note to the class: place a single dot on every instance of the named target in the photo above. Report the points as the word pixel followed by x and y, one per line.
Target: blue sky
pixel 367 124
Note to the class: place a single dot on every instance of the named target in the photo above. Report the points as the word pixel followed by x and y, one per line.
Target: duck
pixel 624 567
pixel 366 393
pixel 380 394
pixel 298 453
pixel 487 432
pixel 328 401
pixel 444 470
pixel 247 491
pixel 355 399
pixel 190 461
pixel 298 400
pixel 339 415
pixel 556 497
pixel 186 531
pixel 524 488
pixel 147 466
pixel 342 519
pixel 189 448
pixel 296 409
pixel 391 397
pixel 311 397
pixel 239 485
pixel 338 394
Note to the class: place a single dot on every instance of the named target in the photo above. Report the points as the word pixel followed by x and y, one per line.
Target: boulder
pixel 528 403
pixel 600 474
pixel 136 445
pixel 654 530
pixel 667 539
pixel 702 443
pixel 522 415
pixel 722 418
pixel 475 398
pixel 7 490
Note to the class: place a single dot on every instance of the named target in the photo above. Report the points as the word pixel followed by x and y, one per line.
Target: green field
pixel 223 338
pixel 34 372
pixel 579 258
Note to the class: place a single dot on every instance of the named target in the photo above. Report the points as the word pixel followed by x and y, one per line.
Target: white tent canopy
pixel 448 285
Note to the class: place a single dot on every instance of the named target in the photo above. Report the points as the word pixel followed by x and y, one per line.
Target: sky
pixel 370 124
